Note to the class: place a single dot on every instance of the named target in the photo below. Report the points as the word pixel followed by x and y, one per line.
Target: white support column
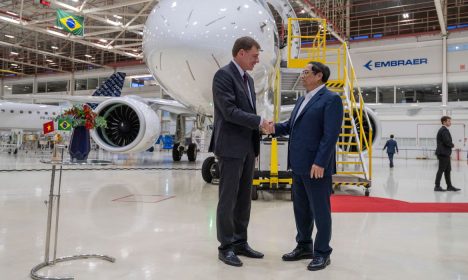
pixel 72 84
pixel 444 74
pixel 377 98
pixel 34 89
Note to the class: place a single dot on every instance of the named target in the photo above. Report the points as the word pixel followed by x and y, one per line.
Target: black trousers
pixel 390 157
pixel 311 201
pixel 444 167
pixel 235 189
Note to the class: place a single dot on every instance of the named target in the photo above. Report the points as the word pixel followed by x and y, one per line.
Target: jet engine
pixel 132 125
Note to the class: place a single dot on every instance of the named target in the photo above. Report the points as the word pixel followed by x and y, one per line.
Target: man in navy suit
pixel 391 146
pixel 313 130
pixel 236 143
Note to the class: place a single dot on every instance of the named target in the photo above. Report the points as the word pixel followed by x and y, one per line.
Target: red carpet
pixel 347 203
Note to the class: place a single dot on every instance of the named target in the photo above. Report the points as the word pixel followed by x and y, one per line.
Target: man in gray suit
pixel 236 143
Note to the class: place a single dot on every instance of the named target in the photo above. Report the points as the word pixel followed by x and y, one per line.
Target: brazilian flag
pixel 64 124
pixel 70 23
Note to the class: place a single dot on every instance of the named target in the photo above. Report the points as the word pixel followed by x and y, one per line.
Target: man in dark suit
pixel 443 152
pixel 236 143
pixel 392 147
pixel 313 130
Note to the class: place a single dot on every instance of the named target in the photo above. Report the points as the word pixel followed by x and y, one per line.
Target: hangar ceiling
pixel 30 43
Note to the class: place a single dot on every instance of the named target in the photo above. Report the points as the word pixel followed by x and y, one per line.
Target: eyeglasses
pixel 307 72
pixel 315 70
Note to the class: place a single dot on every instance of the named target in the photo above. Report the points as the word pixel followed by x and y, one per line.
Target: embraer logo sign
pixel 395 63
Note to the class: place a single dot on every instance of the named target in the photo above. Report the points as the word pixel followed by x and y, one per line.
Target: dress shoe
pixel 318 262
pixel 228 257
pixel 245 250
pixel 438 189
pixel 298 253
pixel 452 189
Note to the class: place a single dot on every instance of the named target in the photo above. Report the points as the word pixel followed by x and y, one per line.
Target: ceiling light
pixel 87 55
pixel 131 54
pixel 13 53
pixel 14 64
pixel 11 13
pixel 140 76
pixel 49 60
pixel 103 40
pixel 9 36
pixel 54 48
pixel 117 16
pixel 56 33
pixel 115 23
pixel 405 15
pixel 9 20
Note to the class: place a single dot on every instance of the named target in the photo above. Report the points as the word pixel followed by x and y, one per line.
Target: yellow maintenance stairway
pixel 354 146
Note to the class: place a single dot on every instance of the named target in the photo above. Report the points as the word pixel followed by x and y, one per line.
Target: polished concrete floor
pixel 158 220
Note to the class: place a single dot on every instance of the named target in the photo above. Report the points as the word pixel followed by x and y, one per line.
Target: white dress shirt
pixel 242 72
pixel 307 98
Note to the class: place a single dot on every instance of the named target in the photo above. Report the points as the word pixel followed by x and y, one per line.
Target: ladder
pixel 354 145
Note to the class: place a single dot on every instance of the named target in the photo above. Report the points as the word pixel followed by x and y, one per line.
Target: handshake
pixel 267 127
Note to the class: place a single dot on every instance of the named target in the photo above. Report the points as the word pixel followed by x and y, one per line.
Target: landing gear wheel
pixel 176 154
pixel 210 169
pixel 192 152
pixel 254 193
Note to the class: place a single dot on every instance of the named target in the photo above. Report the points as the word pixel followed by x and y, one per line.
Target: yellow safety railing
pixel 339 61
pixel 317 52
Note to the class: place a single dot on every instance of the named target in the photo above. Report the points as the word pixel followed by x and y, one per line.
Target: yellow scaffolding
pixel 353 139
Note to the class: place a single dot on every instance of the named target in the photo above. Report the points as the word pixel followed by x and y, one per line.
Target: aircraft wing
pixel 37 98
pixel 169 106
pixel 155 103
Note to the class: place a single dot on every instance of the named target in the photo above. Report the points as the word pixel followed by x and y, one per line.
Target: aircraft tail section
pixel 112 87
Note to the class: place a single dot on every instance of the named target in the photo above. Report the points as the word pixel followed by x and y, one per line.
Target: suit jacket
pixel 391 146
pixel 444 142
pixel 313 135
pixel 236 125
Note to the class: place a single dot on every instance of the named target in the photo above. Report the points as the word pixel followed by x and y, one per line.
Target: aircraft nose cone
pixel 184 44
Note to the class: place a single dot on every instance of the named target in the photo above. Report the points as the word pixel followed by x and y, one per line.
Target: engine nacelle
pixel 132 125
pixel 374 123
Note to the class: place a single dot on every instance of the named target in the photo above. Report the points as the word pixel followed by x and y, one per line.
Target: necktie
pixel 247 90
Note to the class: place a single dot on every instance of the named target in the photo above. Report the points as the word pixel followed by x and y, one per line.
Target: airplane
pixel 184 44
pixel 132 122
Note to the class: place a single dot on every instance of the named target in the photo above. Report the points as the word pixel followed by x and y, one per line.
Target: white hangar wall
pixel 401 79
pixel 426 51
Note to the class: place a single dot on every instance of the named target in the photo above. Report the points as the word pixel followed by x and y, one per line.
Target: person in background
pixel 443 152
pixel 391 147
